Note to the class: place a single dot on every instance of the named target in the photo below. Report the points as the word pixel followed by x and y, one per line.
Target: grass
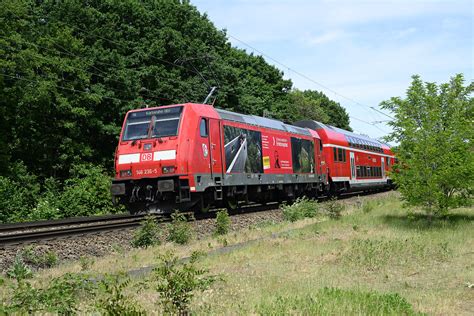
pixel 376 261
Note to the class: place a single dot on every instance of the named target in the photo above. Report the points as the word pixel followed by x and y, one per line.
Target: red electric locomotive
pixel 193 155
pixel 353 162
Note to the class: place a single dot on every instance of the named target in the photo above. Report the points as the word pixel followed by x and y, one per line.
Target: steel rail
pixel 63 222
pixel 37 235
pixel 41 230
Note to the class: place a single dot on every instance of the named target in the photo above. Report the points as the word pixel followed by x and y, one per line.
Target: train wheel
pixel 232 203
pixel 204 205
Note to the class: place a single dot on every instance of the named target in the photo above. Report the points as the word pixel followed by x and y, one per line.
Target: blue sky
pixel 366 51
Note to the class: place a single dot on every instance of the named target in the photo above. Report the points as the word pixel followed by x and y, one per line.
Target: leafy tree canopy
pixel 433 127
pixel 70 70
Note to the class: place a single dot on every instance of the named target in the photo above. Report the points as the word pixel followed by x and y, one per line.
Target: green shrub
pixel 222 223
pixel 87 192
pixel 180 230
pixel 18 194
pixel 60 296
pixel 19 270
pixel 48 204
pixel 114 302
pixel 148 234
pixel 85 263
pixel 41 260
pixel 177 283
pixel 301 208
pixel 334 208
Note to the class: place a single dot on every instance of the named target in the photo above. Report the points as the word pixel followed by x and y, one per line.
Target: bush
pixel 61 296
pixel 18 194
pixel 41 260
pixel 115 302
pixel 48 204
pixel 87 192
pixel 178 282
pixel 19 270
pixel 334 208
pixel 180 230
pixel 222 223
pixel 85 263
pixel 147 235
pixel 301 208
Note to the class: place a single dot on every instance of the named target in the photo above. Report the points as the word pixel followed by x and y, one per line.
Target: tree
pixel 433 129
pixel 312 105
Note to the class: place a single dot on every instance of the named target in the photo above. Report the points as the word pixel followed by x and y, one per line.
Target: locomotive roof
pixel 262 121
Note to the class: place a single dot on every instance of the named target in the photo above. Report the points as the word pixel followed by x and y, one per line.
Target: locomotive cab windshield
pixel 152 123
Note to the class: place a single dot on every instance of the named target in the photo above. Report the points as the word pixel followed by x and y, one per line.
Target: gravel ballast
pixel 103 243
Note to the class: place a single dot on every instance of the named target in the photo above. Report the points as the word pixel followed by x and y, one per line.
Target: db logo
pixel 147 157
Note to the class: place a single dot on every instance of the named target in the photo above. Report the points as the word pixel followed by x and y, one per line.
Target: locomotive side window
pixel 203 128
pixel 302 155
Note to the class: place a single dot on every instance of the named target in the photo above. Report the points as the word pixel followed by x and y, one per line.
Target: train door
pixel 215 149
pixel 353 167
pixel 382 161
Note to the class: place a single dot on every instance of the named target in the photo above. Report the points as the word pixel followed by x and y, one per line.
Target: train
pixel 194 156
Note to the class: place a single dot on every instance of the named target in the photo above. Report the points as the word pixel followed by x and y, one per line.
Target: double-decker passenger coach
pixel 353 162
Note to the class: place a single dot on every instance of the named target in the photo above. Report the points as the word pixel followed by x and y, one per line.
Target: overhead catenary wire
pixel 307 77
pixel 174 64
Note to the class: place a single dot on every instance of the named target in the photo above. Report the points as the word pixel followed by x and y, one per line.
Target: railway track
pixel 27 232
pixel 42 230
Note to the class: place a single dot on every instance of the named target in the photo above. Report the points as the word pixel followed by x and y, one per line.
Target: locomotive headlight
pixel 125 173
pixel 168 169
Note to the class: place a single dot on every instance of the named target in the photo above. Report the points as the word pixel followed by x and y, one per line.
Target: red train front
pixel 193 155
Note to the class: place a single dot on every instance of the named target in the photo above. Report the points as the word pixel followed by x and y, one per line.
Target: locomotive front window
pixel 152 123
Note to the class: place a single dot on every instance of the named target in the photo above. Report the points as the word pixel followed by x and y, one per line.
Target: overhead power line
pixel 308 78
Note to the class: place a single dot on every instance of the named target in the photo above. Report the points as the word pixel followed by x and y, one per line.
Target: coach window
pixel 203 127
pixel 335 154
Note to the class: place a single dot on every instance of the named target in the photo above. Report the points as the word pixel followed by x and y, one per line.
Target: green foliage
pixel 334 208
pixel 179 231
pixel 148 234
pixel 222 223
pixel 177 283
pixel 85 263
pixel 114 302
pixel 301 208
pixel 368 206
pixel 312 105
pixel 373 254
pixel 70 72
pixel 60 296
pixel 334 301
pixel 19 270
pixel 87 192
pixel 18 193
pixel 433 129
pixel 47 259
